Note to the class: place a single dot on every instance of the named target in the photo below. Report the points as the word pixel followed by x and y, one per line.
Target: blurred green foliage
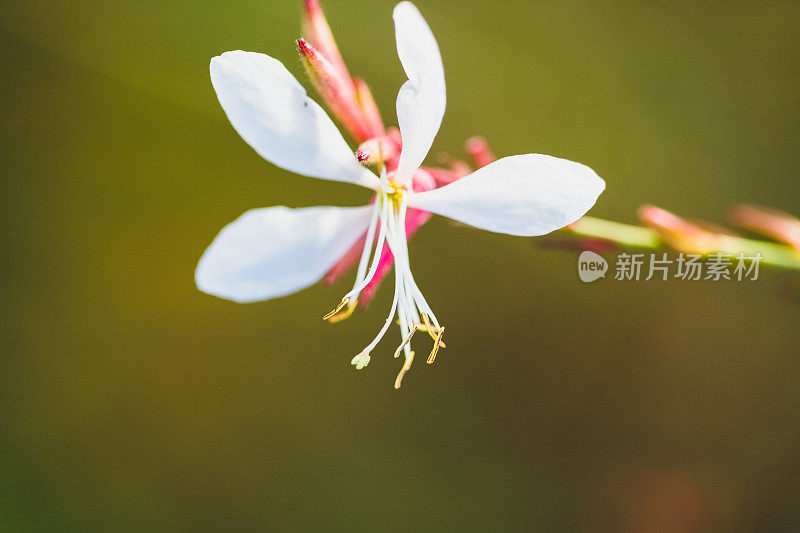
pixel 130 401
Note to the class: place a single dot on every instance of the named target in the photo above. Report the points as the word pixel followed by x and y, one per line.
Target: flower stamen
pixel 431 330
pixel 436 345
pixel 361 283
pixel 412 311
pixel 338 308
pixel 406 341
pixel 344 310
pixel 406 368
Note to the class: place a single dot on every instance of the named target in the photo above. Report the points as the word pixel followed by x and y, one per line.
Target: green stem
pixel 623 234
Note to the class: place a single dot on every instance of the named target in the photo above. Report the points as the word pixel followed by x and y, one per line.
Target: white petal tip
pixel 525 195
pixel 402 6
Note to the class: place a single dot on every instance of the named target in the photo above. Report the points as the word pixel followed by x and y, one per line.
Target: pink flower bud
pixel 456 167
pixel 363 156
pixel 315 26
pixel 336 90
pixel 478 148
pixel 379 150
pixel 776 224
pixel 443 176
pixel 368 107
pixel 681 234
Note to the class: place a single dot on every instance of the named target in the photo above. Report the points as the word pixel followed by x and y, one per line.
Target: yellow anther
pixel 436 345
pixel 406 367
pixel 338 308
pixel 406 341
pixel 339 314
pixel 431 329
pixel 428 327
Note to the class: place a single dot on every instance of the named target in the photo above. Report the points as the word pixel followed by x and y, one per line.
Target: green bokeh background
pixel 131 401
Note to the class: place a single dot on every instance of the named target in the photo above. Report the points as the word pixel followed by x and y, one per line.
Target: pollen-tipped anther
pixel 345 308
pixel 431 330
pixel 406 368
pixel 405 341
pixel 436 345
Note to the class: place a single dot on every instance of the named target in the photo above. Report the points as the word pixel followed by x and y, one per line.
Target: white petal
pixel 522 195
pixel 422 99
pixel 272 252
pixel 273 114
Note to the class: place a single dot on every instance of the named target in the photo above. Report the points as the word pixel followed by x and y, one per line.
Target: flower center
pixel 396 196
pixel 412 311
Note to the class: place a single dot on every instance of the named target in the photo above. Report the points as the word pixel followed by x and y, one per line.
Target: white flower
pixel 272 252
